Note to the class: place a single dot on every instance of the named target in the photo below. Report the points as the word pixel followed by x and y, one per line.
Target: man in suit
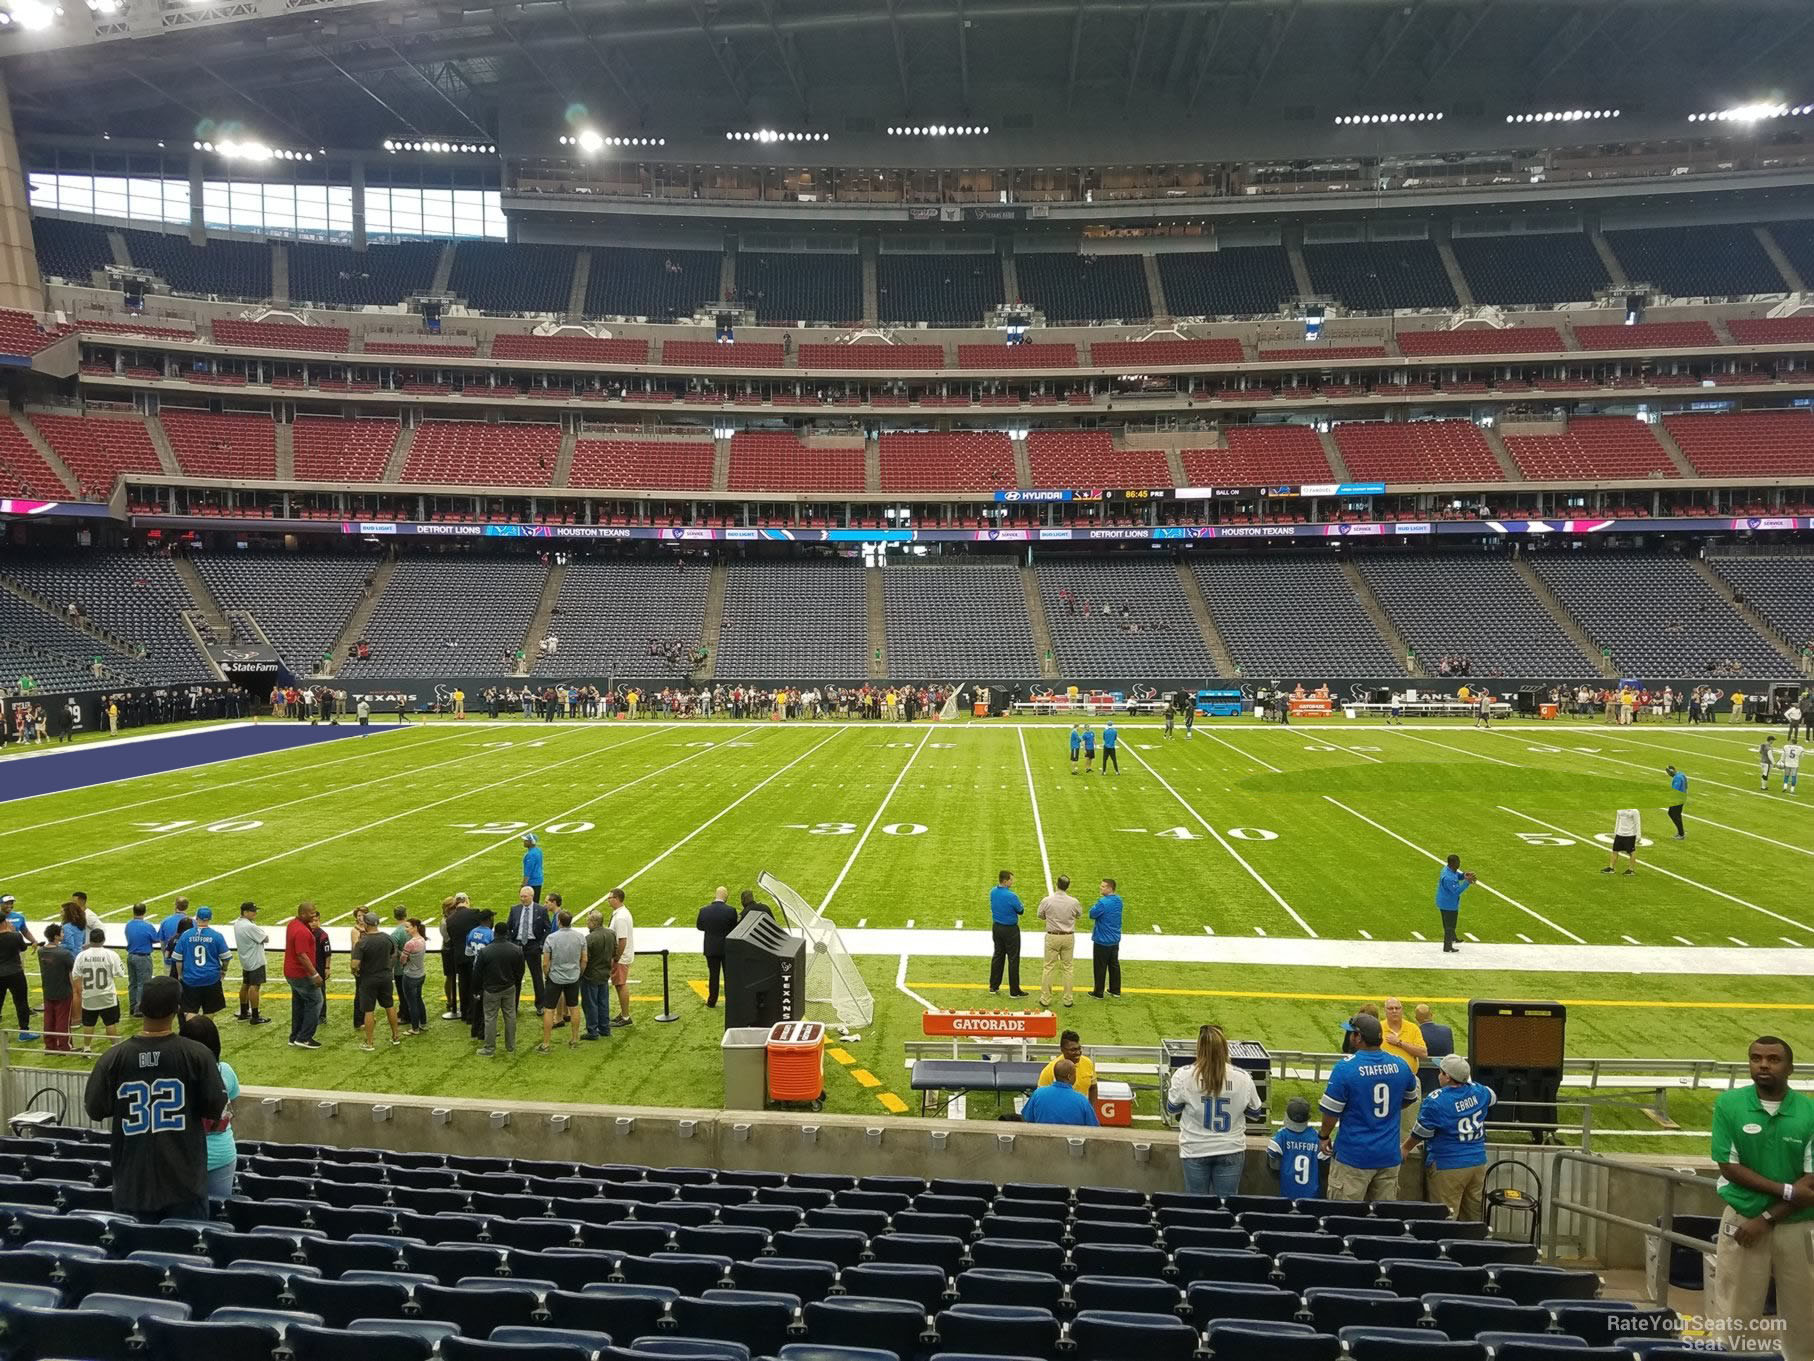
pixel 529 926
pixel 716 920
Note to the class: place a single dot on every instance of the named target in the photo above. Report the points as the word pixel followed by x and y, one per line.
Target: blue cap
pixel 204 914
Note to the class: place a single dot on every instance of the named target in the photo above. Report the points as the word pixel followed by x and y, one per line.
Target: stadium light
pixel 1563 116
pixel 1354 119
pixel 249 149
pixel 394 145
pixel 772 135
pixel 1752 113
pixel 34 15
pixel 941 130
pixel 590 141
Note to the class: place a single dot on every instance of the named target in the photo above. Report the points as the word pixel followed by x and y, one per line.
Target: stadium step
pixel 1504 456
pixel 45 452
pixel 116 242
pixel 1382 622
pixel 1445 251
pixel 721 465
pixel 1791 275
pixel 1763 627
pixel 393 468
pixel 872 295
pixel 1333 453
pixel 285 434
pixel 1615 271
pixel 443 269
pixel 563 461
pixel 1155 288
pixel 280 272
pixel 1206 622
pixel 714 617
pixel 1674 450
pixel 1564 619
pixel 166 456
pixel 872 463
pixel 356 622
pixel 878 625
pixel 123 647
pixel 1023 466
pixel 203 599
pixel 544 616
pixel 576 295
pixel 727 271
pixel 1174 464
pixel 1010 283
pixel 1036 616
pixel 1294 256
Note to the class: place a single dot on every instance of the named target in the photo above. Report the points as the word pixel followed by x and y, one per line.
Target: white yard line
pixel 1692 777
pixel 1430 855
pixel 1039 830
pixel 13 876
pixel 1652 867
pixel 1753 763
pixel 1222 841
pixel 1464 751
pixel 1346 751
pixel 556 817
pixel 728 808
pixel 1245 756
pixel 881 807
pixel 515 775
pixel 1755 836
pixel 363 755
pixel 900 983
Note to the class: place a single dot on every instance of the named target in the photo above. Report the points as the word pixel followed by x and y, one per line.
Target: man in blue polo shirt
pixel 9 907
pixel 1105 942
pixel 167 931
pixel 1110 736
pixel 1678 795
pixel 201 954
pixel 1059 1102
pixel 1076 745
pixel 1366 1092
pixel 141 940
pixel 1450 885
pixel 532 865
pixel 1005 911
pixel 1452 1121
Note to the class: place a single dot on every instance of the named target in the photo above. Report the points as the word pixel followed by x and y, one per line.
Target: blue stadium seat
pixel 84 1276
pixel 887 1202
pixel 1350 1224
pixel 477 1311
pixel 340 1302
pixel 1535 1284
pixel 1288 1221
pixel 1395 1247
pixel 1332 1310
pixel 1170 1216
pixel 688 1273
pixel 1221 1240
pixel 918 1221
pixel 1546 1347
pixel 999 1330
pixel 954 1203
pixel 759 1322
pixel 637 1236
pixel 1436 1230
pixel 1030 1206
pixel 1209 1264
pixel 1100 1335
pixel 691 1348
pixel 722 1241
pixel 1301 1270
pixel 996 1285
pixel 1138 1232
pixel 1421 1210
pixel 352 1195
pixel 225 1245
pixel 1110 1195
pixel 769 1218
pixel 870 1222
pixel 1120 1259
pixel 1210 1300
pixel 1406 1277
pixel 806 1280
pixel 474 1349
pixel 566 1268
pixel 841 1246
pixel 813 1351
pixel 129 1236
pixel 31 1296
pixel 1485 1252
pixel 1126 1294
pixel 306 1343
pixel 333 1258
pixel 1022 1226
pixel 448 1262
pixel 430 1330
pixel 947 1254
pixel 29 1266
pixel 1408 1344
pixel 182 1340
pixel 919 1282
pixel 1463 1316
pixel 579 1338
pixel 1275 1241
pixel 860 1321
pixel 533 1234
pixel 799 1197
pixel 611 1307
pixel 1613 1323
pixel 1240 1340
pixel 1019 1254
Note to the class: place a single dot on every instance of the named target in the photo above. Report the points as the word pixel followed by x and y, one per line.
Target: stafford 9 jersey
pixel 1296 1156
pixel 1366 1092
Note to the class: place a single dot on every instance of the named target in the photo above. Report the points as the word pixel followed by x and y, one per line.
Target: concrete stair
pixel 727 270
pixel 1336 464
pixel 393 467
pixel 1023 466
pixel 356 622
pixel 116 242
pixel 1294 256
pixel 1452 267
pixel 1382 622
pixel 1206 622
pixel 1042 631
pixel 1674 450
pixel 45 452
pixel 443 269
pixel 1603 248
pixel 872 292
pixel 872 464
pixel 721 465
pixel 1502 455
pixel 878 625
pixel 1155 287
pixel 280 272
pixel 1791 275
pixel 205 604
pixel 286 451
pixel 111 642
pixel 563 461
pixel 1010 277
pixel 582 275
pixel 544 617
pixel 714 620
pixel 166 456
pixel 1590 650
pixel 1174 464
pixel 1759 625
pixel 197 629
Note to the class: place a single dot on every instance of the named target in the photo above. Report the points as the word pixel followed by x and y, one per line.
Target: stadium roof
pixel 347 73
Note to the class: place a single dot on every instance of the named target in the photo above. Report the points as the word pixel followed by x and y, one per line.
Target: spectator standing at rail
pixel 1451 1127
pixel 623 926
pixel 1105 941
pixel 201 954
pixel 303 977
pixel 1005 911
pixel 1212 1101
pixel 499 976
pixel 141 940
pixel 1763 1144
pixel 564 960
pixel 1059 911
pixel 717 919
pixel 1365 1095
pixel 55 965
pixel 159 1159
pixel 96 982
pixel 595 978
pixel 249 941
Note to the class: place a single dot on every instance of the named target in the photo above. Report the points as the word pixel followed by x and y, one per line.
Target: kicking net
pixel 831 975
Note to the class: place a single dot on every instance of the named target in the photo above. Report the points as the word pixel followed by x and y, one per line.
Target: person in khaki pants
pixel 1763 1142
pixel 1366 1092
pixel 1060 911
pixel 1452 1122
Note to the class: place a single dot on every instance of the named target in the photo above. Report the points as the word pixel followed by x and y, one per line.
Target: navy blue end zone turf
pixel 54 772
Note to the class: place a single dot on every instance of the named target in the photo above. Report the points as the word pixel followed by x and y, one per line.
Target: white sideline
pixel 747 794
pixel 1650 867
pixel 1222 841
pixel 1504 898
pixel 1039 830
pixel 857 850
pixel 15 875
pixel 362 755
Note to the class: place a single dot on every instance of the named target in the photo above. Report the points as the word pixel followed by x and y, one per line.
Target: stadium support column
pixel 358 187
pixel 20 284
pixel 198 232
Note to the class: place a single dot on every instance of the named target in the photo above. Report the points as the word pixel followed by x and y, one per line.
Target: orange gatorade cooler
pixel 796 1061
pixel 1546 710
pixel 1114 1104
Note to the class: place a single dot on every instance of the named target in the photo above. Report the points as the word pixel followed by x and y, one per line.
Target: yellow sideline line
pixel 1633 1003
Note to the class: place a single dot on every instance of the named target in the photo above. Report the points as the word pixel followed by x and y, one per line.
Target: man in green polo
pixel 1763 1142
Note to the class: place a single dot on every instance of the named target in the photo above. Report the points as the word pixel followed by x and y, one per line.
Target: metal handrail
pixel 1656 1276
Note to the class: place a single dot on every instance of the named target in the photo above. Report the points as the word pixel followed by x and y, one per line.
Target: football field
pixel 1281 873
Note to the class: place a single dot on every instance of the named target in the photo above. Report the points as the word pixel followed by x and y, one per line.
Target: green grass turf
pixel 1238 832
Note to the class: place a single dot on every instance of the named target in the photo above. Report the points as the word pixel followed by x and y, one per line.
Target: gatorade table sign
pixel 994 1025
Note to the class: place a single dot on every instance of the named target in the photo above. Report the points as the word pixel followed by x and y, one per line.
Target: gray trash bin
pixel 745 1050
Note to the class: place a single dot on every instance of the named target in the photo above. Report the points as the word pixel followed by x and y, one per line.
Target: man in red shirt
pixel 303 977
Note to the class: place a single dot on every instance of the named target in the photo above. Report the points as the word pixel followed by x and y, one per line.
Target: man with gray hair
pixel 595 977
pixel 1452 1121
pixel 374 960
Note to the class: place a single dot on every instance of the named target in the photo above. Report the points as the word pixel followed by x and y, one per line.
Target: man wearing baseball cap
pixel 1452 1121
pixel 249 941
pixel 1366 1092
pixel 9 908
pixel 200 954
pixel 532 865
